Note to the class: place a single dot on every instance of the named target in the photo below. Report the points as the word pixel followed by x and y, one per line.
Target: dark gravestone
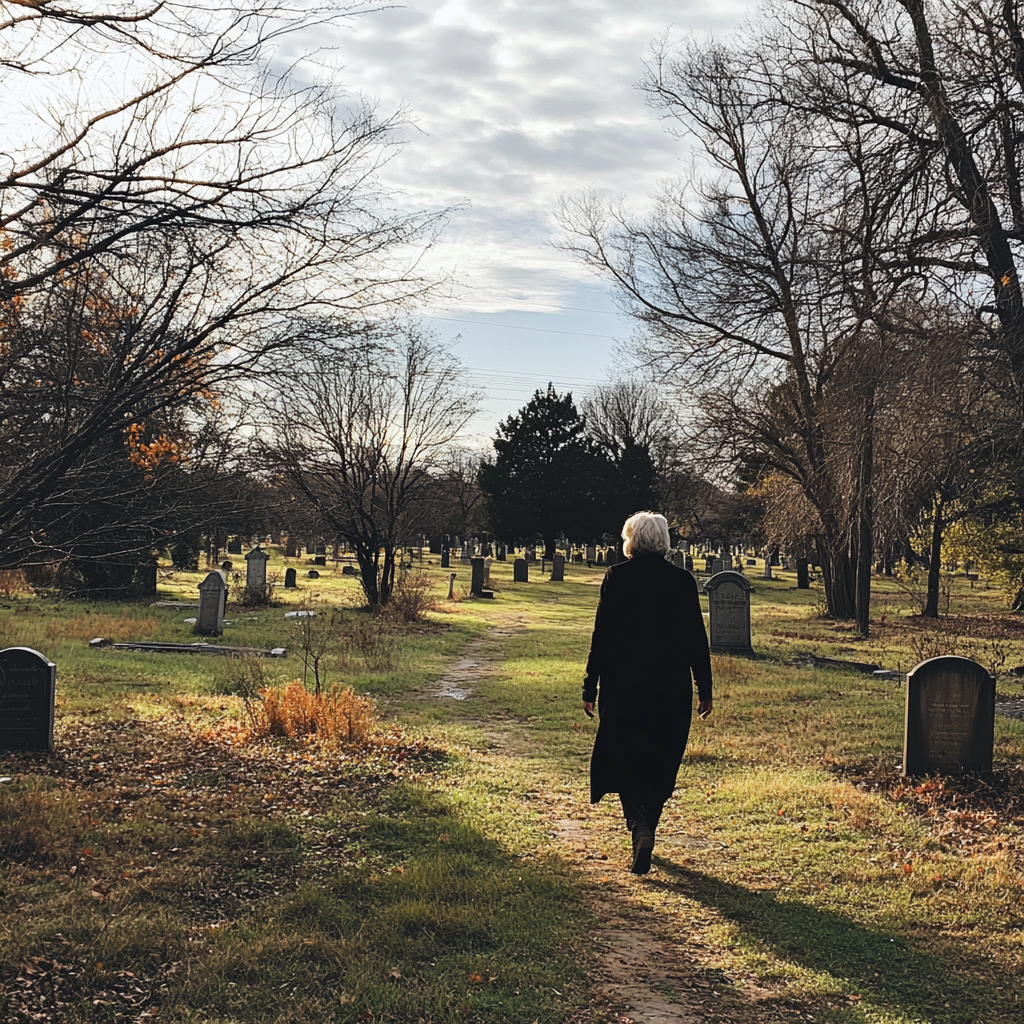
pixel 314 575
pixel 520 571
pixel 446 558
pixel 688 563
pixel 310 549
pixel 212 598
pixel 348 570
pixel 28 686
pixel 751 561
pixel 435 546
pixel 729 607
pixel 291 548
pixel 226 566
pixel 600 558
pixel 950 717
pixel 476 585
pixel 591 553
pixel 558 568
pixel 320 560
pixel 321 550
pixel 235 546
pixel 767 569
pixel 289 579
pixel 803 577
pixel 502 552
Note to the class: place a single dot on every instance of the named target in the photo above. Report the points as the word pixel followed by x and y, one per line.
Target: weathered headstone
pixel 446 557
pixel 591 552
pixel 558 568
pixel 718 565
pixel 291 549
pixel 467 552
pixel 729 606
pixel 28 687
pixel 320 560
pixel 767 569
pixel 314 575
pixel 688 563
pixel 435 545
pixel 530 554
pixel 502 552
pixel 600 558
pixel 212 596
pixel 751 561
pixel 520 571
pixel 950 717
pixel 235 546
pixel 476 584
pixel 785 564
pixel 321 550
pixel 803 577
pixel 226 566
pixel 256 573
pixel 677 559
pixel 289 579
pixel 310 548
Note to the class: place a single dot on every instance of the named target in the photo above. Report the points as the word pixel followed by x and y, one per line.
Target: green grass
pixel 418 881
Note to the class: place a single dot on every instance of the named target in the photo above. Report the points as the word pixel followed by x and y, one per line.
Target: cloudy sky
pixel 515 103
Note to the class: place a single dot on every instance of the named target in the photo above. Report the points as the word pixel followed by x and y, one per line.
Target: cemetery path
pixel 637 973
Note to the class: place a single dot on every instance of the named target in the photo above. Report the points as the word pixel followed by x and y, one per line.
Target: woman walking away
pixel 648 648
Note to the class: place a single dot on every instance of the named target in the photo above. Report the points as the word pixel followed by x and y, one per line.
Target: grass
pixel 153 865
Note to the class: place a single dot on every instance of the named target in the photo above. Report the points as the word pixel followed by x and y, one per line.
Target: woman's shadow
pixel 879 964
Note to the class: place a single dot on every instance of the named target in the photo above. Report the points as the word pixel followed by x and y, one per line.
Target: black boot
pixel 643 844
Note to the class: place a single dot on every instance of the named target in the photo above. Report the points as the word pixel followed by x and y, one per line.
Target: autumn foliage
pixel 338 715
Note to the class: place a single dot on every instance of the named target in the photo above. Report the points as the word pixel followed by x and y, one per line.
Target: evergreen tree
pixel 546 473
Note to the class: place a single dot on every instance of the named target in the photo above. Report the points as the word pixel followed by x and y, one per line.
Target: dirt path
pixel 636 974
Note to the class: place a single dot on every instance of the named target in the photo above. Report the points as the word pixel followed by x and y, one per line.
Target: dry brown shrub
pixel 338 715
pixel 411 599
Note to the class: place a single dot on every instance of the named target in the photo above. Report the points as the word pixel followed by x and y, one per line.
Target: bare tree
pixel 167 228
pixel 359 433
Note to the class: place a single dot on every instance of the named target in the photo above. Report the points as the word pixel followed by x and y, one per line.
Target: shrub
pixel 411 599
pixel 338 715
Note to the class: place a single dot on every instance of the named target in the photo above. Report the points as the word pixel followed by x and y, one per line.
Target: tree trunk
pixel 866 521
pixel 931 604
pixel 549 547
pixel 839 578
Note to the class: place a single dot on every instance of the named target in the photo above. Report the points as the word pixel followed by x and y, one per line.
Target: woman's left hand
pixel 588 708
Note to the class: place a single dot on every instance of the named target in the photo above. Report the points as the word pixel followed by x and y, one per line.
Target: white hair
pixel 645 531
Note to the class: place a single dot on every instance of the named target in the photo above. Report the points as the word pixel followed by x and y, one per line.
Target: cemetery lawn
pixel 155 868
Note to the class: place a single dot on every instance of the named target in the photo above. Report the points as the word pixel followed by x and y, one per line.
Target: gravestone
pixel 751 561
pixel 467 552
pixel 346 570
pixel 767 569
pixel 314 575
pixel 530 554
pixel 718 565
pixel 502 552
pixel 558 568
pixel 446 557
pixel 28 688
pixel 678 559
pixel 212 597
pixel 436 545
pixel 688 563
pixel 321 551
pixel 485 549
pixel 320 560
pixel 785 564
pixel 235 546
pixel 226 566
pixel 520 571
pixel 291 549
pixel 310 548
pixel 476 585
pixel 949 724
pixel 729 606
pixel 289 579
pixel 591 552
pixel 600 558
pixel 803 577
pixel 256 573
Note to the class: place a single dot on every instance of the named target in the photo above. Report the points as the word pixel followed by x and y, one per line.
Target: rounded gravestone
pixel 949 724
pixel 729 611
pixel 28 684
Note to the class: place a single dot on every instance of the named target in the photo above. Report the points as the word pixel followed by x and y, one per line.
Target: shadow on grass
pixel 879 965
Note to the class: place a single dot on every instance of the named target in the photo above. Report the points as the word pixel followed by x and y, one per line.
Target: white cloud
pixel 517 102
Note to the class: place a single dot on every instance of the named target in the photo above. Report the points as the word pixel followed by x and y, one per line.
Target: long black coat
pixel 649 643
